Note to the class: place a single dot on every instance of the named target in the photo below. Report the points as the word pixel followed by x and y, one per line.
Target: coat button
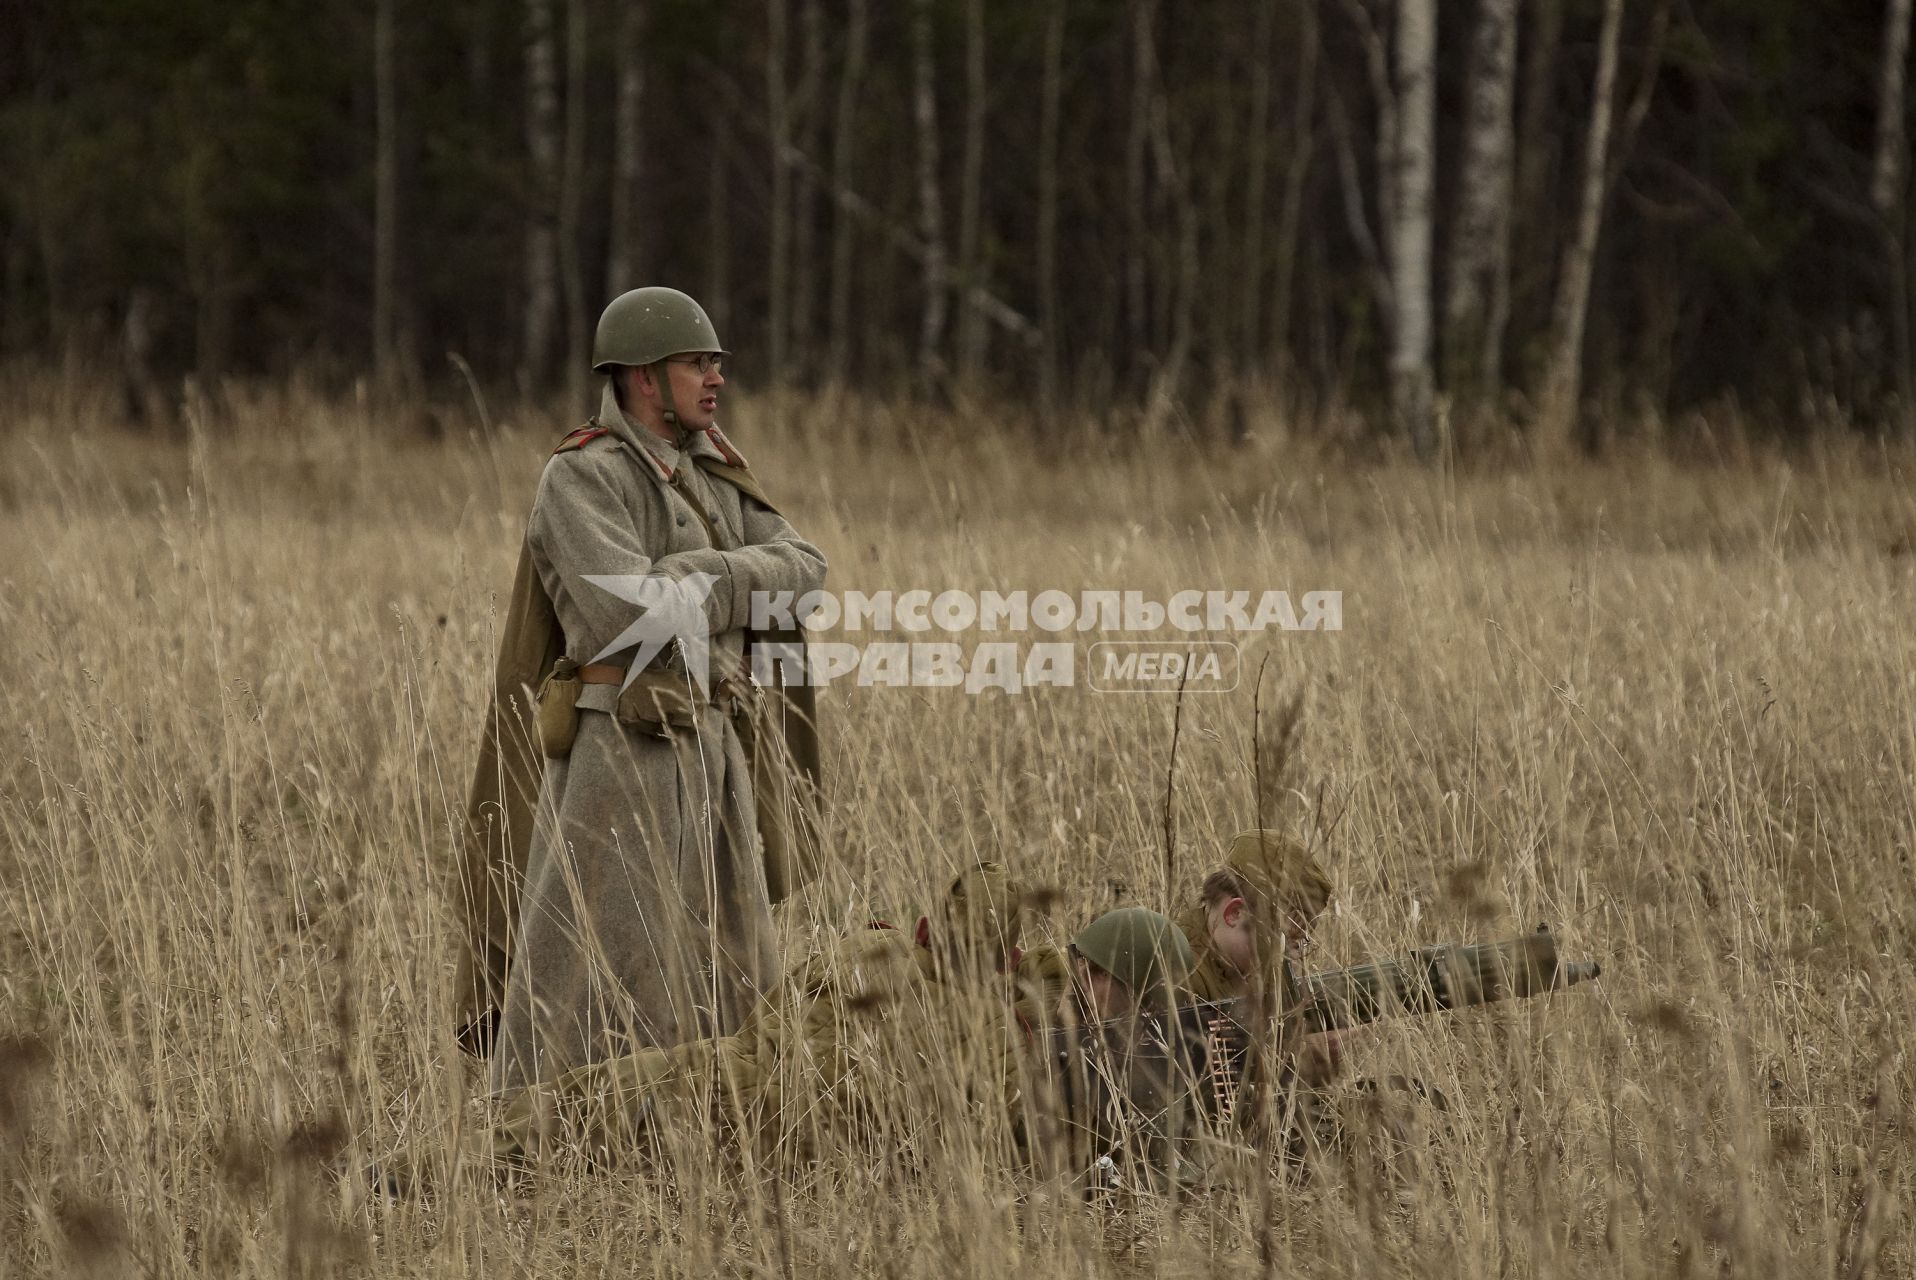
pixel 681 520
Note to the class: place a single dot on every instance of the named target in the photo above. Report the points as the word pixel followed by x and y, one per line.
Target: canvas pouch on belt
pixel 558 716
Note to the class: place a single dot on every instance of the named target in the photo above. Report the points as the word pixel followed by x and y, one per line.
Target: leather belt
pixel 602 673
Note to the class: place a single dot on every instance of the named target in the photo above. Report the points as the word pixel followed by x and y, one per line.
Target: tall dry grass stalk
pixel 1667 710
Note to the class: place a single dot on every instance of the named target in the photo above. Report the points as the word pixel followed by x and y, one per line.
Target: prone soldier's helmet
pixel 644 326
pixel 983 912
pixel 1280 873
pixel 1145 951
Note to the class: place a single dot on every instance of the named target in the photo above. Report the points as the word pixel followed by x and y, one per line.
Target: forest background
pixel 294 301
pixel 1577 218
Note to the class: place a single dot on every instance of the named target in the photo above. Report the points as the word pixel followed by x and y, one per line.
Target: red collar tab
pixel 582 435
pixel 724 446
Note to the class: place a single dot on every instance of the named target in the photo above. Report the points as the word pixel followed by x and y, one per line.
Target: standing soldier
pixel 640 913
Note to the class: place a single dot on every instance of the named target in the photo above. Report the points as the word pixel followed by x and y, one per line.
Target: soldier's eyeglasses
pixel 704 362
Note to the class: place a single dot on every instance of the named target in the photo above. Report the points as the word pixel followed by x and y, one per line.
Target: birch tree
pixel 1168 380
pixel 1480 245
pixel 628 102
pixel 1049 93
pixel 971 323
pixel 1886 187
pixel 1257 151
pixel 572 203
pixel 1410 221
pixel 809 111
pixel 1137 194
pixel 778 109
pixel 858 26
pixel 931 209
pixel 385 198
pixel 1291 208
pixel 542 150
pixel 1564 385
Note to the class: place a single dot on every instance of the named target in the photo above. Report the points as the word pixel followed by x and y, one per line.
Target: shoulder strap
pixel 579 436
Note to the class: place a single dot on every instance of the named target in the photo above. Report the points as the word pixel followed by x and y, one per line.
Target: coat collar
pixel 665 456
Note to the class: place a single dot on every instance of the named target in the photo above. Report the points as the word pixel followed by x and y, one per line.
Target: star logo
pixel 670 609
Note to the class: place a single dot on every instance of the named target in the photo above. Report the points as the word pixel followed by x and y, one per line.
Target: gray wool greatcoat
pixel 644 917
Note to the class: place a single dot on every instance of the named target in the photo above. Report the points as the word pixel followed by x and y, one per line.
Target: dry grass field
pixel 1668 708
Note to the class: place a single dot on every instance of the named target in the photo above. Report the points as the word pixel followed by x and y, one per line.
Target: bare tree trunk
pixel 971 324
pixel 542 148
pixel 1480 239
pixel 1886 198
pixel 1168 383
pixel 1137 193
pixel 718 219
pixel 779 114
pixel 1049 94
pixel 1564 387
pixel 1534 238
pixel 1256 164
pixel 809 111
pixel 385 199
pixel 1291 211
pixel 571 205
pixel 622 236
pixel 931 211
pixel 1410 224
pixel 842 221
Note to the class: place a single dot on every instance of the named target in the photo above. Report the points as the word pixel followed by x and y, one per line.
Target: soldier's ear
pixel 1233 912
pixel 922 934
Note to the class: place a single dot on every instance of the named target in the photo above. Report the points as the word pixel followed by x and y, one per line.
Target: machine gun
pixel 1133 1074
pixel 1435 978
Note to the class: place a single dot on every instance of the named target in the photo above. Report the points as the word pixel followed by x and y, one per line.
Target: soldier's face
pixel 1235 934
pixel 1104 996
pixel 695 380
pixel 695 390
pixel 1232 935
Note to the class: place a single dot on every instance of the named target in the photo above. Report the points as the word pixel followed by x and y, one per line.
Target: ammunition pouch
pixel 558 714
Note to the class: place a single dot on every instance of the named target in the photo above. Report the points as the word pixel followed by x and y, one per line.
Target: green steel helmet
pixel 1138 947
pixel 644 326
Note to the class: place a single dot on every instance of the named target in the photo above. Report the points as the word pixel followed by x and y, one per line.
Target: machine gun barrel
pixel 1431 979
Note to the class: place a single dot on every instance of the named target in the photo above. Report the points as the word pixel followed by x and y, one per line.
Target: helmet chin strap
pixel 663 376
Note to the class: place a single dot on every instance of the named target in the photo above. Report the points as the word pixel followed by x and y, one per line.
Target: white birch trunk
pixel 1137 194
pixel 1410 220
pixel 931 210
pixel 1257 148
pixel 1291 210
pixel 1564 388
pixel 385 198
pixel 628 102
pixel 1886 176
pixel 542 149
pixel 1168 382
pixel 578 351
pixel 1048 110
pixel 842 221
pixel 1886 198
pixel 971 323
pixel 1482 227
pixel 779 113
pixel 809 105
